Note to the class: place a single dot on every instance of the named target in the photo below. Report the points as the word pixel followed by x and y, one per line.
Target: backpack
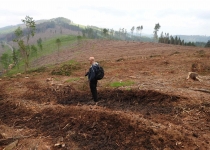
pixel 100 73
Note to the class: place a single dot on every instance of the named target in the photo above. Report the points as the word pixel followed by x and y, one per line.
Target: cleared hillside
pixel 145 100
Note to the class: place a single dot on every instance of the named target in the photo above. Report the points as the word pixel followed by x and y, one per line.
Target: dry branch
pixel 201 90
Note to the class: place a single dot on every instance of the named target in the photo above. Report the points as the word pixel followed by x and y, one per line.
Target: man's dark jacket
pixel 92 72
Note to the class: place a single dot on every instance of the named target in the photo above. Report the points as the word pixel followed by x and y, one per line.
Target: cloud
pixel 175 17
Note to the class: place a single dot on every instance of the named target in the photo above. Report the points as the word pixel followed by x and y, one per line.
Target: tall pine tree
pixel 176 41
pixel 207 44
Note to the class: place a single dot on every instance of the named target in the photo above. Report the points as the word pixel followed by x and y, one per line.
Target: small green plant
pixel 119 84
pixel 58 42
pixel 151 56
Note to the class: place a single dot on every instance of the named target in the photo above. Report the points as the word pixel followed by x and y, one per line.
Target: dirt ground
pixel 160 111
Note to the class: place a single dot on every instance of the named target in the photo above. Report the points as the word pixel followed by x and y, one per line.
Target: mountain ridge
pixel 5 31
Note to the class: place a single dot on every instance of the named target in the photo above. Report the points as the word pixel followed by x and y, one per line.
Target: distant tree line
pixel 90 33
pixel 195 38
pixel 122 34
pixel 42 27
pixel 207 44
pixel 200 44
pixel 48 25
pixel 167 39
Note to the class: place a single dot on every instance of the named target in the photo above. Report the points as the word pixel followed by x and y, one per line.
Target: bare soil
pixel 161 110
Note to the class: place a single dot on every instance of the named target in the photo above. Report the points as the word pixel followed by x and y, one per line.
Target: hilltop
pixel 45 27
pixel 63 26
pixel 9 29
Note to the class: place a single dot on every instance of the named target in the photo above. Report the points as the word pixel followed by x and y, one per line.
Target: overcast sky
pixel 185 17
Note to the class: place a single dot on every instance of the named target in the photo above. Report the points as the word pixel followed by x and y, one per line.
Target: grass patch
pixel 17 69
pixel 119 84
pixel 9 88
pixel 49 46
pixel 72 62
pixel 72 80
pixel 40 69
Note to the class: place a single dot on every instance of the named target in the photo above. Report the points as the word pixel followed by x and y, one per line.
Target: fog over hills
pixel 7 33
pixel 194 38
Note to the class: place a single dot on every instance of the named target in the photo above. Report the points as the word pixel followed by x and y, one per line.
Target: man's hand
pixel 86 73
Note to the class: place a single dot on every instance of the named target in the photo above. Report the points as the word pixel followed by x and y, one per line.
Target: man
pixel 91 77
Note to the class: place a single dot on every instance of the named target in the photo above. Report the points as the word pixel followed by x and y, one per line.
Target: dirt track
pixel 160 111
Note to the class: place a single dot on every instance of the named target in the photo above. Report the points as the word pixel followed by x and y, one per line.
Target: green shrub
pixel 66 69
pixel 40 69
